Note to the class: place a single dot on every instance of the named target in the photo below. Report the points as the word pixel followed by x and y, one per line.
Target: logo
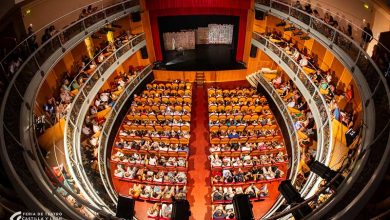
pixel 36 216
pixel 16 216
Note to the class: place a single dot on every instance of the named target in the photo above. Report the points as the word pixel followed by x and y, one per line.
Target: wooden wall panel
pixel 327 60
pixel 210 76
pixel 148 34
pixel 338 69
pixel 260 25
pixel 248 35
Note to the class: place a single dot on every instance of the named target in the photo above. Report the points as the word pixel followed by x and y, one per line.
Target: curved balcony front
pixel 315 99
pixel 76 116
pixel 375 95
pixel 18 136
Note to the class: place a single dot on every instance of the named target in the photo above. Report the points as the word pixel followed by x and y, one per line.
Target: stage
pixel 203 58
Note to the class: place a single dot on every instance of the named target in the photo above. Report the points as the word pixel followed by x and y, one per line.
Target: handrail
pixel 308 82
pixel 323 153
pixel 269 2
pixel 313 197
pixel 358 59
pixel 355 58
pixel 59 35
pixel 292 133
pixel 32 65
pixel 73 157
pixel 102 148
pixel 45 164
pixel 283 109
pixel 347 22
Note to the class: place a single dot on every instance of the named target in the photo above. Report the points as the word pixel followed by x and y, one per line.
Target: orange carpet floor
pixel 199 186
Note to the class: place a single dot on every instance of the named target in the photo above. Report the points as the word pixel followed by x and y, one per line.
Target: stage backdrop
pixel 198 7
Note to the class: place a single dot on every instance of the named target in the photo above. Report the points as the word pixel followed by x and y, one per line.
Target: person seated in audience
pixel 152 160
pixel 277 81
pixel 158 177
pixel 252 191
pixel 348 94
pixel 218 212
pixel 118 156
pixel 347 119
pixel 154 210
pixel 228 193
pixel 303 61
pixel 215 148
pixel 280 157
pixel 119 171
pixel 181 162
pixel 180 193
pixel 217 194
pixel 334 107
pixel 168 193
pixel 215 160
pixel 238 176
pixel 330 93
pixel 181 177
pixel 229 211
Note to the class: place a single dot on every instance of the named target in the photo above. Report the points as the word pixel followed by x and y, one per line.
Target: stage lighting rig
pixel 292 196
pixel 326 173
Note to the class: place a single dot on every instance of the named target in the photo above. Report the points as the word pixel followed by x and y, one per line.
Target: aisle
pixel 198 163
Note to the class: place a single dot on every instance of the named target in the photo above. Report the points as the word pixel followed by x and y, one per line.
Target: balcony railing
pixel 76 25
pixel 353 55
pixel 295 148
pixel 15 144
pixel 320 110
pixel 375 97
pixel 73 129
pixel 106 130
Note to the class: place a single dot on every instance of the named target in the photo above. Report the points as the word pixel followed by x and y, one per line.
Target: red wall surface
pixel 198 7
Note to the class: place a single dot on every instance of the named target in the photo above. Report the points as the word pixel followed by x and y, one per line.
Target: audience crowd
pixel 57 108
pixel 151 149
pixel 96 116
pixel 244 138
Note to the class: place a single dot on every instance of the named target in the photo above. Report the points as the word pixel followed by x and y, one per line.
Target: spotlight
pixel 291 28
pixel 292 196
pixel 243 207
pixel 125 208
pixel 325 173
pixel 305 38
pixel 181 210
pixel 281 24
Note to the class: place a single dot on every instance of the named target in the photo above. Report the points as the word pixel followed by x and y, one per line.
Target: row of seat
pixel 212 92
pixel 154 97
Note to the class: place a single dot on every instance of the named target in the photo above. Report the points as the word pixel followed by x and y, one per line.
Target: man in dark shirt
pixel 366 36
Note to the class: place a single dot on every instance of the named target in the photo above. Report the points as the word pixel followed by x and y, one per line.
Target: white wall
pixel 381 23
pixel 43 12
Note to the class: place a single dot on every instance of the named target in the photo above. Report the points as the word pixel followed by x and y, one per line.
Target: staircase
pixel 199 78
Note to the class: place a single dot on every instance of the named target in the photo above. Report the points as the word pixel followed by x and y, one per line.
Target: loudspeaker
pixel 144 53
pixel 181 210
pixel 125 208
pixel 253 52
pixel 242 207
pixel 259 15
pixel 292 196
pixel 136 16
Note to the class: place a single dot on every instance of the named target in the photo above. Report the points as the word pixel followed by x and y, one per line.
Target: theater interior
pixel 195 109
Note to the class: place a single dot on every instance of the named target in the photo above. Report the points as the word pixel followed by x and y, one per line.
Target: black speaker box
pixel 259 15
pixel 136 16
pixel 144 53
pixel 181 210
pixel 253 52
pixel 125 208
pixel 243 207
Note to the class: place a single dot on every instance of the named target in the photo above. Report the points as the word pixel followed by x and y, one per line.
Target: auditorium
pixel 195 109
